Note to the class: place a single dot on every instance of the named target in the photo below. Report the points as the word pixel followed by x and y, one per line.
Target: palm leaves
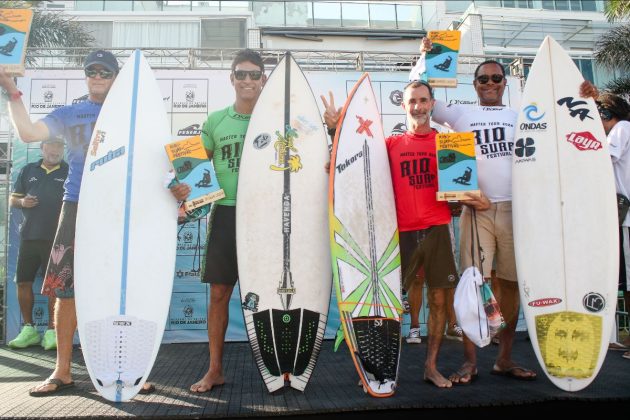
pixel 613 49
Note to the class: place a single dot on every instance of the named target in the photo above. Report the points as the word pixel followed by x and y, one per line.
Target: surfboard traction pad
pixel 569 343
pixel 120 349
pixel 286 345
pixel 375 346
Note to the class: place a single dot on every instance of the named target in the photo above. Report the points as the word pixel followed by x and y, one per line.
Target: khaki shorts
pixel 496 238
pixel 432 250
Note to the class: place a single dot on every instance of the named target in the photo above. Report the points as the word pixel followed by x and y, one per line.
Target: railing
pixel 205 58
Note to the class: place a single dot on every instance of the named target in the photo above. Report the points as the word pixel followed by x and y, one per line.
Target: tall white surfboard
pixel 126 235
pixel 281 238
pixel 565 222
pixel 364 242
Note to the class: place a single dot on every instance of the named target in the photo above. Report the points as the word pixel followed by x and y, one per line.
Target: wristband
pixel 15 96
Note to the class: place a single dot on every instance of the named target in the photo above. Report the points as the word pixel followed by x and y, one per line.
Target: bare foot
pixel 205 384
pixel 436 378
pixel 464 375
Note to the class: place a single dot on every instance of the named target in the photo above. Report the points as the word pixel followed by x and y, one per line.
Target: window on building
pixel 562 4
pixel 101 31
pixel 460 6
pixel 383 16
pixel 227 6
pixel 223 33
pixel 586 68
pixel 525 4
pixel 548 4
pixel 88 5
pixel 269 13
pixel 299 13
pixel 589 5
pixel 176 6
pixel 155 34
pixel 118 6
pixel 208 6
pixel 488 3
pixel 147 6
pixel 576 5
pixel 409 17
pixel 355 15
pixel 327 14
pixel 509 3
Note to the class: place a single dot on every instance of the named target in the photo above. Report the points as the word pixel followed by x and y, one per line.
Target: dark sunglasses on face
pixel 242 74
pixel 105 74
pixel 605 114
pixel 484 78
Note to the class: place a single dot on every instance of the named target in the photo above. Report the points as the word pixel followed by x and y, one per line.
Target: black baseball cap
pixel 104 58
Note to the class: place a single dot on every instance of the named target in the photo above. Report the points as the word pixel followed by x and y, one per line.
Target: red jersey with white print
pixel 413 163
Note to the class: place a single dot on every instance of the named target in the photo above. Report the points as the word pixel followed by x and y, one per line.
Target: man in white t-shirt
pixel 615 114
pixel 494 125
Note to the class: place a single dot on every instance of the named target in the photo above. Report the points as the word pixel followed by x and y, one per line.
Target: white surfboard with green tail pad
pixel 364 242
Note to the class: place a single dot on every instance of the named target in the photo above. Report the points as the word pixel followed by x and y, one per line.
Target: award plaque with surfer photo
pixel 192 166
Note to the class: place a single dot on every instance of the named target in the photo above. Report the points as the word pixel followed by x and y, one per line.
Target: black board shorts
pixel 220 265
pixel 32 256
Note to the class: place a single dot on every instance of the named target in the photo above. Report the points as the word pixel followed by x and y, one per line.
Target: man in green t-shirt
pixel 223 135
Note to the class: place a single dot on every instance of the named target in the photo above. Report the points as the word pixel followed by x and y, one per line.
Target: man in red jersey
pixel 423 222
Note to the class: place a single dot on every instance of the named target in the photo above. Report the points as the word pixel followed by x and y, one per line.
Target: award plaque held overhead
pixel 15 25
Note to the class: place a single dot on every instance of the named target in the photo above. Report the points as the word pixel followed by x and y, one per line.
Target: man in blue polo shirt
pixel 38 191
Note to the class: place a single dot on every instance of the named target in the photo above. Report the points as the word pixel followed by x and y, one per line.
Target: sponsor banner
pixel 188 311
pixel 47 95
pixel 190 96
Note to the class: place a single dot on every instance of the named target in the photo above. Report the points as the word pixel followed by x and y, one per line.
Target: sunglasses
pixel 105 74
pixel 242 74
pixel 605 114
pixel 484 78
